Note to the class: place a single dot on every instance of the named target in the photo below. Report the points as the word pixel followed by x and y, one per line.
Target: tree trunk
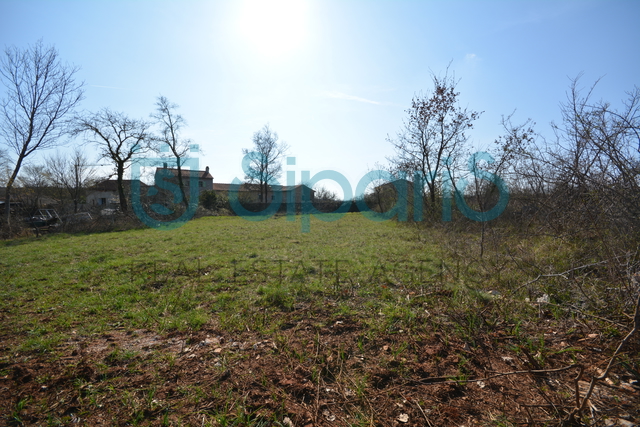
pixel 7 202
pixel 181 185
pixel 123 198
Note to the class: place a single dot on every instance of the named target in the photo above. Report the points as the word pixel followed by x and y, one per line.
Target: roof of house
pixel 225 187
pixel 186 173
pixel 256 187
pixel 112 185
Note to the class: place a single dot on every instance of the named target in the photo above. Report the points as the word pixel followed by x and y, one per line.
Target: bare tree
pixel 323 194
pixel 118 138
pixel 71 173
pixel 34 180
pixel 520 158
pixel 513 162
pixel 267 164
pixel 598 159
pixel 434 132
pixel 41 93
pixel 170 126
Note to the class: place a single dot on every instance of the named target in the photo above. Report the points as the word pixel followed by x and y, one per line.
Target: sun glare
pixel 274 27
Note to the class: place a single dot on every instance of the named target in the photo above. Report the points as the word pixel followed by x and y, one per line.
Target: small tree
pixel 118 138
pixel 71 173
pixel 41 94
pixel 170 126
pixel 434 131
pixel 208 199
pixel 34 180
pixel 323 194
pixel 267 166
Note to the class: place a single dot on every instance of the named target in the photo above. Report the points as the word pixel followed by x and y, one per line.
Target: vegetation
pixel 423 320
pixel 264 159
pixel 118 138
pixel 232 322
pixel 41 95
pixel 208 199
pixel 171 125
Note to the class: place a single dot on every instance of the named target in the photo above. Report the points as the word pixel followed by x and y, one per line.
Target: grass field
pixel 231 322
pixel 175 280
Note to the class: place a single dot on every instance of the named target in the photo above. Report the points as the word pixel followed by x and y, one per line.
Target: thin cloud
pixel 471 57
pixel 340 95
pixel 472 60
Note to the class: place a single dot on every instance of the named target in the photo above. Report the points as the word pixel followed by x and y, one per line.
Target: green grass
pixel 351 306
pixel 241 274
pixel 224 266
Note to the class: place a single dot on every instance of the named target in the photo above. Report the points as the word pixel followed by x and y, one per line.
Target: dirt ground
pixel 318 370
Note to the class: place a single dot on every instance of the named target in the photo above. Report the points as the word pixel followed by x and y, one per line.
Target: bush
pixel 209 200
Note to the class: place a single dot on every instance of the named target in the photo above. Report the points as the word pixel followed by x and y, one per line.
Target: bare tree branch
pixel 267 166
pixel 171 125
pixel 118 138
pixel 72 173
pixel 581 406
pixel 41 94
pixel 433 134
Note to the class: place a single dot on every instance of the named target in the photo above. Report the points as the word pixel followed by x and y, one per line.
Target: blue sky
pixel 333 78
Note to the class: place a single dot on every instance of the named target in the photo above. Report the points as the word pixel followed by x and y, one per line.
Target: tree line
pixel 585 176
pixel 40 110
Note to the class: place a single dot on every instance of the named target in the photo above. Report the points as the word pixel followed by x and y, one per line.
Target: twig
pixel 317 403
pixel 423 414
pixel 577 381
pixel 446 380
pixel 563 274
pixel 580 406
pixel 604 319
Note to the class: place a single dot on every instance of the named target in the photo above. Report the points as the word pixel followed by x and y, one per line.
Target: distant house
pixel 252 193
pixel 384 197
pixel 205 180
pixel 104 195
pixel 247 193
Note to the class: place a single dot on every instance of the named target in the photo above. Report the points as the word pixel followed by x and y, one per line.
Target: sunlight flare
pixel 274 27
